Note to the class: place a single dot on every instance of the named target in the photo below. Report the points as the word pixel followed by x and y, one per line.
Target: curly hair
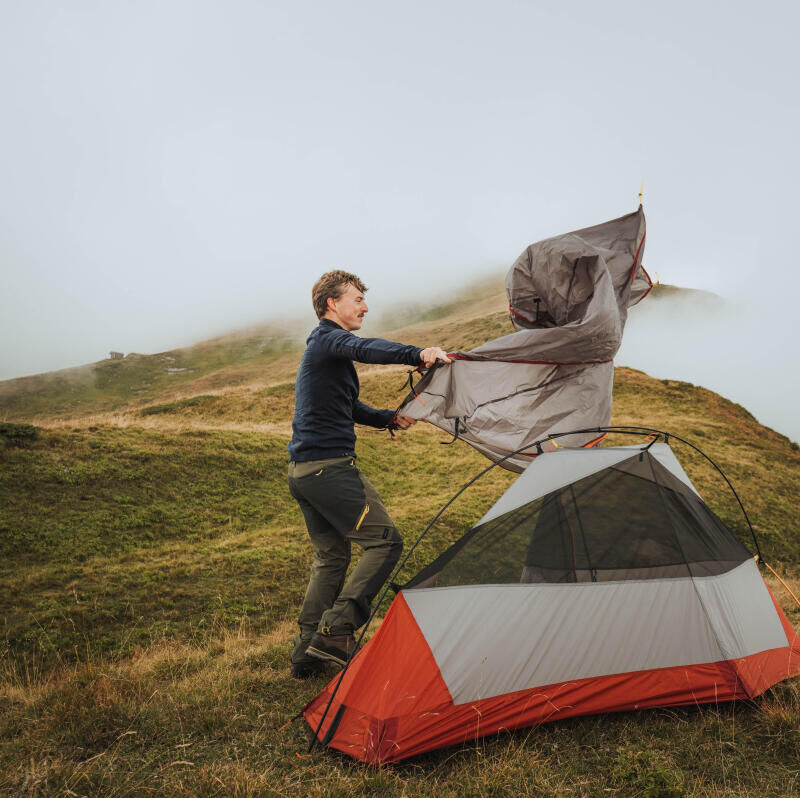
pixel 331 286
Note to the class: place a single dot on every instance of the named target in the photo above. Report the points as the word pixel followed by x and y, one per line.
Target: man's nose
pixel 365 308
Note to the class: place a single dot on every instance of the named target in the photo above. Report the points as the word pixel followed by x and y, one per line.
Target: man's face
pixel 349 309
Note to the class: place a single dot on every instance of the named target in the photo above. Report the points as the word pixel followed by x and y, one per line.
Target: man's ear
pixel 329 302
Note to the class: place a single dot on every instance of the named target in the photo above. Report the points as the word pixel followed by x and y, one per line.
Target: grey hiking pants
pixel 341 506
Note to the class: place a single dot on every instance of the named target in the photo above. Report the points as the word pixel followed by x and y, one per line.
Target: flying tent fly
pixel 568 300
pixel 600 581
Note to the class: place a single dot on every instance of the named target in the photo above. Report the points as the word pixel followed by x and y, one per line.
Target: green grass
pixel 117 536
pixel 109 385
pixel 76 494
pixel 17 434
pixel 153 563
pixel 177 407
pixel 113 537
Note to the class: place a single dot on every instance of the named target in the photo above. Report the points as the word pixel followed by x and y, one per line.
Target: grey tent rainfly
pixel 568 300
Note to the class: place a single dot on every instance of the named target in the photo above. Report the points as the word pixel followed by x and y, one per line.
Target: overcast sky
pixel 170 170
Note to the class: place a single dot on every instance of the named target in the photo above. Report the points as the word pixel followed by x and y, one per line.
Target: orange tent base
pixel 393 702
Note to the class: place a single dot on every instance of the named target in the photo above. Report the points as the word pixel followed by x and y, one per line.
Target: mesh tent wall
pixel 599 582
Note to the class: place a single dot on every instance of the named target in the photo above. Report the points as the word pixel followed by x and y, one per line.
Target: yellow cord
pixel 781 581
pixel 641 191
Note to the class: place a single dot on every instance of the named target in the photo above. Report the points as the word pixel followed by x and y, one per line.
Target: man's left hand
pixel 404 422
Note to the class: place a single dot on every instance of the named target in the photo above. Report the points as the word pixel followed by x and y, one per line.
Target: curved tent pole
pixel 621 430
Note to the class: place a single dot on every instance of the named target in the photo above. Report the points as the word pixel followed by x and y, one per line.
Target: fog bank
pixel 732 346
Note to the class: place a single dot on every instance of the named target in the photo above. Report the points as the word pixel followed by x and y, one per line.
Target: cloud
pixel 741 349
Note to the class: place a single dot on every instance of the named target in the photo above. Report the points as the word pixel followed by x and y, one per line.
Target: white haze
pixel 731 346
pixel 173 169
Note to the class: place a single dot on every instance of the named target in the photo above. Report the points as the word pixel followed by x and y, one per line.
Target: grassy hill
pixel 152 563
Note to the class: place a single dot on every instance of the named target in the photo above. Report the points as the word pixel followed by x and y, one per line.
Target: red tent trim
pixel 393 702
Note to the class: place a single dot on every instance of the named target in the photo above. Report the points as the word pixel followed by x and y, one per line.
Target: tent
pixel 568 301
pixel 599 582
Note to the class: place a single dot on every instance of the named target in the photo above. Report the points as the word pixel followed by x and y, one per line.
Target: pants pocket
pixel 362 517
pixel 337 494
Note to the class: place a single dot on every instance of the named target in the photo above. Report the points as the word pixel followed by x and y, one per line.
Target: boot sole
pixel 325 655
pixel 307 671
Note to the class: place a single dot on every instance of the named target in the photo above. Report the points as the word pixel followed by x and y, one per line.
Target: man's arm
pixel 371 416
pixel 341 343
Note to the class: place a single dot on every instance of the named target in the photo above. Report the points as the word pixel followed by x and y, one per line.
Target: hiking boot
pixel 308 669
pixel 332 648
pixel 303 666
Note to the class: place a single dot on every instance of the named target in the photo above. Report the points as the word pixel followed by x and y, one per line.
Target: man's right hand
pixel 432 354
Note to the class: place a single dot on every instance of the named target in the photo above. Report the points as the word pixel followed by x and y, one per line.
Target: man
pixel 339 504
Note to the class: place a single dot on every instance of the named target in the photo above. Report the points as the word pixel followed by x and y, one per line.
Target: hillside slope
pixel 255 357
pixel 153 562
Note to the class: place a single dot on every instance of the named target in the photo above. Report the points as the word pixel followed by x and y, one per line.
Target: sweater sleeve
pixel 370 416
pixel 341 343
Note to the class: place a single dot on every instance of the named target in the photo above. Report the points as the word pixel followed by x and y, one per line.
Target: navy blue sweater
pixel 326 400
